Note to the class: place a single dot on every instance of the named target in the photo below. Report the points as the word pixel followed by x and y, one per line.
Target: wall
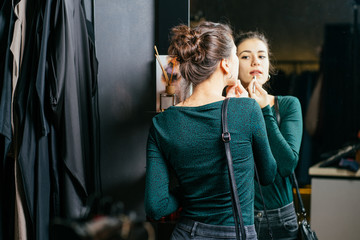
pixel 125 33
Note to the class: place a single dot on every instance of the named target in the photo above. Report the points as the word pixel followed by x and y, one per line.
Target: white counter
pixel 335 203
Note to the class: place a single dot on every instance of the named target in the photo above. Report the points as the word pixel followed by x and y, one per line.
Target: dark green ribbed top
pixel 189 140
pixel 285 144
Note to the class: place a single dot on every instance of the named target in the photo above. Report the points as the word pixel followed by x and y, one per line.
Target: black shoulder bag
pixel 234 193
pixel 304 228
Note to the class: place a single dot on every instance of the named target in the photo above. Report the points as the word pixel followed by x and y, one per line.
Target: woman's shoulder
pixel 242 107
pixel 244 101
pixel 290 105
pixel 169 113
pixel 187 112
pixel 289 101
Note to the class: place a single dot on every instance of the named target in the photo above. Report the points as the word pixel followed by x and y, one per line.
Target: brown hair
pixel 200 49
pixel 243 36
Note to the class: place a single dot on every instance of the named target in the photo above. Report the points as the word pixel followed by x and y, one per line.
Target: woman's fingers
pixel 256 90
pixel 241 90
pixel 231 91
pixel 252 88
pixel 260 94
pixel 236 90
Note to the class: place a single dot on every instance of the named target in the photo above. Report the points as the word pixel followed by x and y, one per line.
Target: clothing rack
pixel 297 66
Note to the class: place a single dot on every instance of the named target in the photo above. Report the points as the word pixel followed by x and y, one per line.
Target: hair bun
pixel 198 53
pixel 200 49
pixel 186 45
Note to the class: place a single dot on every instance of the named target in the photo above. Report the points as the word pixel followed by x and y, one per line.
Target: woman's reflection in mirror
pixel 284 137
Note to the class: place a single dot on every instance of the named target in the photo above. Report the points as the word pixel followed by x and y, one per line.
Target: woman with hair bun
pixel 186 139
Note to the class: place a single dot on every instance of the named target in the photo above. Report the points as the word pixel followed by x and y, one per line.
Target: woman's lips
pixel 255 73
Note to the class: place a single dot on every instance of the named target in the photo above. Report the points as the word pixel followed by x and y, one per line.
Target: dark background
pixel 294 28
pixel 126 32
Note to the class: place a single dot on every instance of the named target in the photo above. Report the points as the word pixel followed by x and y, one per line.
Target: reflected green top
pixel 285 141
pixel 188 140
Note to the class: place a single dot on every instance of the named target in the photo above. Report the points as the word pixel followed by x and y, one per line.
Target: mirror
pixel 308 39
pixel 314 45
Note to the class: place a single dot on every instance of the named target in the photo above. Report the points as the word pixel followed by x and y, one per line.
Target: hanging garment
pixel 6 32
pixel 7 163
pixel 55 104
pixel 17 49
pixel 73 85
pixel 94 184
pixel 32 131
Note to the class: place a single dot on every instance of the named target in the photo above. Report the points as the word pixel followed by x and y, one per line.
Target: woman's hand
pixel 260 95
pixel 236 90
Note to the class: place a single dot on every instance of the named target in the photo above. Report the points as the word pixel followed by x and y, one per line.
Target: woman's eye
pixel 245 57
pixel 262 57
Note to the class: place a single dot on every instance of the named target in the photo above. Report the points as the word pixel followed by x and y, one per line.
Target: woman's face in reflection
pixel 253 61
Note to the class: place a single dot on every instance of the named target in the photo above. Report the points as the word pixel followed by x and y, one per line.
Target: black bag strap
pixel 301 209
pixel 234 193
pixel 277 111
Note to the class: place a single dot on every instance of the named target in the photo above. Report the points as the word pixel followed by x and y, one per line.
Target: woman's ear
pixel 224 66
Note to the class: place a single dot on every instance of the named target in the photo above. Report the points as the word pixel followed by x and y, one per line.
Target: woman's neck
pixel 208 91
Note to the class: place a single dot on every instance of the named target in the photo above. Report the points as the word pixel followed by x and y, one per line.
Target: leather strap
pixel 301 205
pixel 234 193
pixel 277 112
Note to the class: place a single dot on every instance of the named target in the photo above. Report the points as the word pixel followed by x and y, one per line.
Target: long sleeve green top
pixel 188 140
pixel 285 141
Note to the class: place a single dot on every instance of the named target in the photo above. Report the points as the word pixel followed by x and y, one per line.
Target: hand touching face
pixel 260 95
pixel 236 90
